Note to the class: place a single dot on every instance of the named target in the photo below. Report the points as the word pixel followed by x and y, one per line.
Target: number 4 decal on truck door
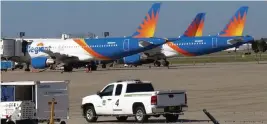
pixel 117 102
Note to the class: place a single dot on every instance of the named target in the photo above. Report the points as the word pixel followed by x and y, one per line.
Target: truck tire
pixel 172 117
pixel 62 122
pixel 3 121
pixel 122 118
pixel 90 114
pixel 10 122
pixel 140 114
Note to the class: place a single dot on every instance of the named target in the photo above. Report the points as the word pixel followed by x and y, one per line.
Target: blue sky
pixel 50 19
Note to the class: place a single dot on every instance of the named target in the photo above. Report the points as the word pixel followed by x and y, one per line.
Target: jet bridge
pixel 14 49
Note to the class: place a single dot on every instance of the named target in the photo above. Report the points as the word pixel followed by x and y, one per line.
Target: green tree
pixel 255 46
pixel 259 46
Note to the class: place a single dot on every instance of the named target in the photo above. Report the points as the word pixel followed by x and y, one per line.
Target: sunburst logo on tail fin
pixel 200 29
pixel 190 32
pixel 196 27
pixel 236 26
pixel 148 27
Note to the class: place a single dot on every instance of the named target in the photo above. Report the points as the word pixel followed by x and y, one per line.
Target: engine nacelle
pixel 41 62
pixel 133 59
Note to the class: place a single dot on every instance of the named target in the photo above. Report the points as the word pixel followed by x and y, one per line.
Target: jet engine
pixel 41 62
pixel 138 59
pixel 132 59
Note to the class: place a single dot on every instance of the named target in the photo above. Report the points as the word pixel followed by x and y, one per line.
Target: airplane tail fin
pixel 196 26
pixel 237 23
pixel 148 26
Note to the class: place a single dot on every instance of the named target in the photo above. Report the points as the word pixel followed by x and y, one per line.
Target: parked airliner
pixel 230 37
pixel 44 53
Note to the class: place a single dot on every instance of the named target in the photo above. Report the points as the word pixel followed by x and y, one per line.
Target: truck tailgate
pixel 45 93
pixel 171 98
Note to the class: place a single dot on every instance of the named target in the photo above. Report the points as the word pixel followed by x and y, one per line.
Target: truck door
pixel 106 97
pixel 116 102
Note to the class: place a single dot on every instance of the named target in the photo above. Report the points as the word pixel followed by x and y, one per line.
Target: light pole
pixel 106 34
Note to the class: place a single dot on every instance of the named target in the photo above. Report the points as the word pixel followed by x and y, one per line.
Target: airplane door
pixel 126 45
pixel 24 47
pixel 214 42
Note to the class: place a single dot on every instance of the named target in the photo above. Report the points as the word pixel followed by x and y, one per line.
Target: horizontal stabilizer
pixel 144 43
pixel 172 39
pixel 234 41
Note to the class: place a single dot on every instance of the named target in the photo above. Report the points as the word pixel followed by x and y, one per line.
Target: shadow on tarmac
pixel 155 121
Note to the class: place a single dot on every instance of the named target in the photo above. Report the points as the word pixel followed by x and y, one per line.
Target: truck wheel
pixel 10 122
pixel 122 118
pixel 3 121
pixel 62 122
pixel 171 118
pixel 140 114
pixel 90 114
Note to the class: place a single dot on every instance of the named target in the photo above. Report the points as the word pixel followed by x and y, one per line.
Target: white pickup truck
pixel 136 98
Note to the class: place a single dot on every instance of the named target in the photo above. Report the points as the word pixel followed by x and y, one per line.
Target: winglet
pixel 148 26
pixel 196 26
pixel 237 23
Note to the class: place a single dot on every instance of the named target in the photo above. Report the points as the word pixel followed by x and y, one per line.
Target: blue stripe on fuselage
pixel 207 44
pixel 115 48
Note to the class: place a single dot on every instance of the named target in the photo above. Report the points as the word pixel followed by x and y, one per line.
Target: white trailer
pixel 28 101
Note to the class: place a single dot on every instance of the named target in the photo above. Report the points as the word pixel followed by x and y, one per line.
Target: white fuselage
pixel 64 47
pixel 173 49
pixel 168 52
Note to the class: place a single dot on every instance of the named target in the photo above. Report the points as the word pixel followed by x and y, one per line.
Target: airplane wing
pixel 61 57
pixel 155 51
pixel 143 43
pixel 151 51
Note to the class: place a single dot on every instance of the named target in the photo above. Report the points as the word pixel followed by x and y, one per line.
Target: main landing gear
pixel 104 65
pixel 27 67
pixel 68 68
pixel 165 63
pixel 92 66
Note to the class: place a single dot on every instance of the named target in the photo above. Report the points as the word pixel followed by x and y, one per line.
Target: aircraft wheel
pixel 104 65
pixel 157 63
pixel 166 63
pixel 21 67
pixel 94 67
pixel 68 68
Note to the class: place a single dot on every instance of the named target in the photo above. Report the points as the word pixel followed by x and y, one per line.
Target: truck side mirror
pixel 98 93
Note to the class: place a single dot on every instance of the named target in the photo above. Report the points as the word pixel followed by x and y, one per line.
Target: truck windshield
pixel 142 87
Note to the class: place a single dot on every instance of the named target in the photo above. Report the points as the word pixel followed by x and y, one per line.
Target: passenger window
pixel 107 91
pixel 118 90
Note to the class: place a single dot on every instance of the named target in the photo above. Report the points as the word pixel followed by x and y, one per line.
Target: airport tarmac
pixel 234 93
